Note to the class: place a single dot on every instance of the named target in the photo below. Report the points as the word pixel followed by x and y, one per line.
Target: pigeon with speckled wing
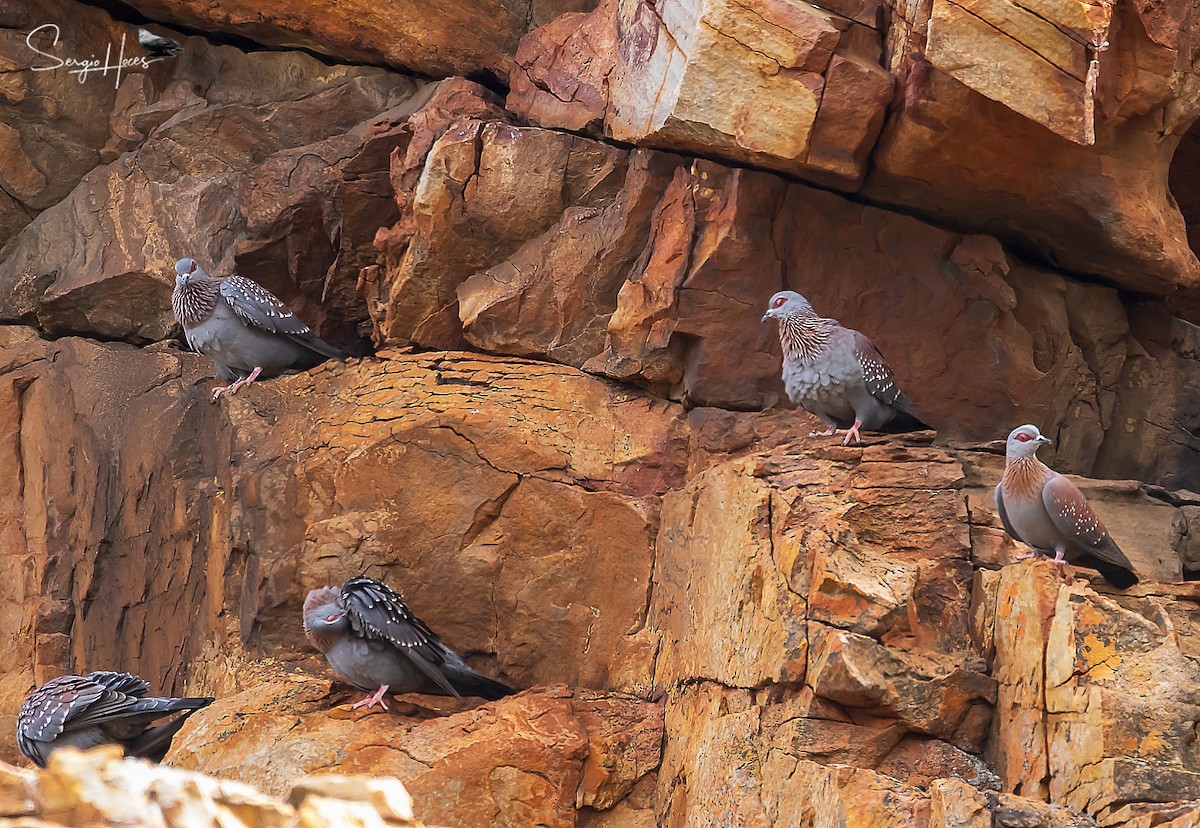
pixel 1040 507
pixel 246 330
pixel 101 708
pixel 373 641
pixel 836 373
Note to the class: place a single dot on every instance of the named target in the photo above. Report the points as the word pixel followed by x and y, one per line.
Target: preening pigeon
pixel 836 373
pixel 243 327
pixel 157 46
pixel 1040 507
pixel 100 709
pixel 372 640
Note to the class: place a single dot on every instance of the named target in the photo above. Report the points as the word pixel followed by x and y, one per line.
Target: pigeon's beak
pixel 1042 438
pixel 766 316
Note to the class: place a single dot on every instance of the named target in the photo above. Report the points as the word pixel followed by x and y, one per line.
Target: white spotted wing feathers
pixel 376 612
pixel 258 307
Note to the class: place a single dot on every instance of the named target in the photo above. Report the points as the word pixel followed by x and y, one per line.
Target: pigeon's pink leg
pixel 1060 554
pixel 232 388
pixel 375 698
pixel 829 432
pixel 852 434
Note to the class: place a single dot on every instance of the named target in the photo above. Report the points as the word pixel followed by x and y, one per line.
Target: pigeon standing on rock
pixel 102 708
pixel 157 46
pixel 372 640
pixel 1040 507
pixel 243 327
pixel 836 373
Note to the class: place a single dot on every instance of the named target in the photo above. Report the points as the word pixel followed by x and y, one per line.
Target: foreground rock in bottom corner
pixel 100 787
pixel 1097 700
pixel 531 759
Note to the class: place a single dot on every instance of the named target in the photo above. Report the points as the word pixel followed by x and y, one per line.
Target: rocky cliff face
pixel 550 230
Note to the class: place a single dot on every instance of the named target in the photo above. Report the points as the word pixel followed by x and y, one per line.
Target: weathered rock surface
pixel 1070 163
pixel 1073 157
pixel 50 135
pixel 278 148
pixel 647 268
pixel 436 40
pixel 531 759
pixel 567 452
pixel 783 85
pixel 812 605
pixel 1068 661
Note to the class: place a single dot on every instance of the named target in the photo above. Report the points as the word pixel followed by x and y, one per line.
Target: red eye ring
pixel 329 619
pixel 1023 437
pixel 779 302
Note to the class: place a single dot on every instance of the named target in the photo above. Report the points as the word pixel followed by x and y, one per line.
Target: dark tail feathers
pixel 154 743
pixel 1118 576
pixel 319 346
pixel 474 684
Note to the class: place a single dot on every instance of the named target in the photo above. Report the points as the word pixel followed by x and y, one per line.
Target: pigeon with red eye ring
pixel 102 708
pixel 1041 508
pixel 246 330
pixel 372 640
pixel 836 373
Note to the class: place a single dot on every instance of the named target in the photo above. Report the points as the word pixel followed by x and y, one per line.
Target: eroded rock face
pixel 1069 164
pixel 441 40
pixel 810 604
pixel 525 760
pixel 783 85
pixel 562 453
pixel 50 135
pixel 274 148
pixel 1067 659
pixel 649 269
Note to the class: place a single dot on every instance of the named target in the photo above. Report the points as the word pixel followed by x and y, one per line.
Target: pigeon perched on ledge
pixel 157 46
pixel 836 373
pixel 1040 507
pixel 100 709
pixel 372 640
pixel 246 330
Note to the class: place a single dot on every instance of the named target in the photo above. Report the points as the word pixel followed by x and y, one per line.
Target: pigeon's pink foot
pixel 1033 553
pixel 1060 556
pixel 233 388
pixel 829 432
pixel 370 701
pixel 852 434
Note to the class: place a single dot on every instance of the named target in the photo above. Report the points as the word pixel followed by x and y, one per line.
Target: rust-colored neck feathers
pixel 194 302
pixel 804 337
pixel 1024 477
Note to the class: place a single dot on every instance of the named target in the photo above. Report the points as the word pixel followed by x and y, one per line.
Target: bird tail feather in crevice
pixel 474 684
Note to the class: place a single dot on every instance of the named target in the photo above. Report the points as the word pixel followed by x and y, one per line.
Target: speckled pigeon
pixel 1040 507
pixel 836 373
pixel 157 46
pixel 100 709
pixel 246 330
pixel 372 640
